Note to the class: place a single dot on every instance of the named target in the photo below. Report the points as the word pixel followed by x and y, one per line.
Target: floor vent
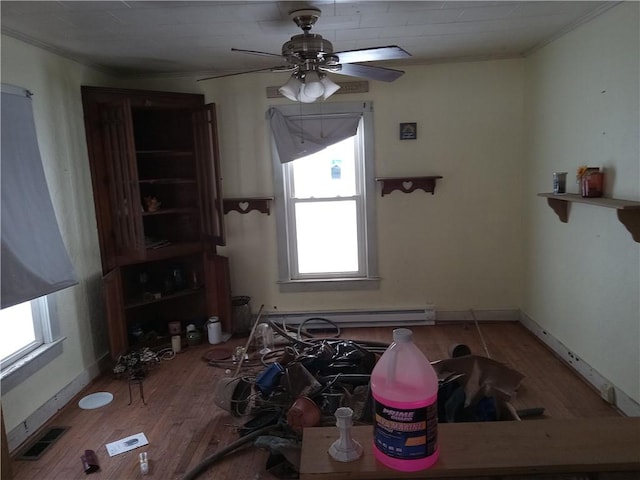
pixel 47 438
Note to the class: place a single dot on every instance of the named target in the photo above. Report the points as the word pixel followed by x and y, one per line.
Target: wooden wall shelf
pixel 628 211
pixel 246 205
pixel 408 184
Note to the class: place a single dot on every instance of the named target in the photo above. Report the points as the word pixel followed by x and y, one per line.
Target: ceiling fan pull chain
pixel 301 130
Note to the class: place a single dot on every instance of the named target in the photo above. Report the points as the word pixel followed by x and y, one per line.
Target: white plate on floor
pixel 95 400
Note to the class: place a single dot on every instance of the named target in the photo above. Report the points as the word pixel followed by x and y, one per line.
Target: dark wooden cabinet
pixel 158 202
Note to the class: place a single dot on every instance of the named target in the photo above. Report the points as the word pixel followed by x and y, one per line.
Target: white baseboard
pixel 621 400
pixel 506 315
pixel 21 433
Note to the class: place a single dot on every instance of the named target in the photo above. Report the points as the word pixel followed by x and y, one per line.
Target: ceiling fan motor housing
pixel 307 46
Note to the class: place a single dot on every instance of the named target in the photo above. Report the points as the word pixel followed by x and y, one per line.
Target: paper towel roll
pixel 214 330
pixel 176 343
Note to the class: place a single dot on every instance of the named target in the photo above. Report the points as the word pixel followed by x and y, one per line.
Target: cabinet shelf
pixel 628 210
pixel 167 181
pixel 163 153
pixel 140 302
pixel 162 252
pixel 168 251
pixel 170 211
pixel 246 205
pixel 408 184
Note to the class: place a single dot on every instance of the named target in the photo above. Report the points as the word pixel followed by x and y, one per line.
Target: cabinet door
pixel 218 289
pixel 210 190
pixel 114 305
pixel 119 148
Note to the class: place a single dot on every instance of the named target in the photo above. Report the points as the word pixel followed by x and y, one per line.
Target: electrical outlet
pixel 430 312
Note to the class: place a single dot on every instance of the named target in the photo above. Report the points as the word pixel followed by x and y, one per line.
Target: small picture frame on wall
pixel 408 131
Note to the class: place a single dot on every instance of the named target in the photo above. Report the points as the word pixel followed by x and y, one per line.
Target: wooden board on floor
pixel 549 446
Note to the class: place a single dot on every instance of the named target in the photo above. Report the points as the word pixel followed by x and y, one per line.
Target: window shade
pixel 34 260
pixel 299 136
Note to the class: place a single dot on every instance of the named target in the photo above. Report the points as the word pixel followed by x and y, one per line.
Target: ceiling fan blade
pixel 256 52
pixel 391 52
pixel 280 68
pixel 370 72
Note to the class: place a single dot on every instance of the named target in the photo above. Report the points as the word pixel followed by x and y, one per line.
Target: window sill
pixel 332 285
pixel 20 370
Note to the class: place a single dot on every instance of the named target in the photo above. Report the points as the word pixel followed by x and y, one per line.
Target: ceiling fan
pixel 310 57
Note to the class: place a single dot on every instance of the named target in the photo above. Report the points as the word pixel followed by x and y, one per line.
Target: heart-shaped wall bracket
pixel 246 205
pixel 408 184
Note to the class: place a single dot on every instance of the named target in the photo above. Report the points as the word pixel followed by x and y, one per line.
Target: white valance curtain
pixel 299 135
pixel 34 259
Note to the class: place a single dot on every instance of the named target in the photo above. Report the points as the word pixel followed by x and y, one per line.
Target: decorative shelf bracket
pixel 628 210
pixel 631 220
pixel 246 205
pixel 408 184
pixel 560 207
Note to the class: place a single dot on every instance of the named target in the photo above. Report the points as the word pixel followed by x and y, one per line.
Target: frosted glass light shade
pixel 313 88
pixel 304 98
pixel 291 89
pixel 329 87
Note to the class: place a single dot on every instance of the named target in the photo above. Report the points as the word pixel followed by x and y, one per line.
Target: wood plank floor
pixel 184 426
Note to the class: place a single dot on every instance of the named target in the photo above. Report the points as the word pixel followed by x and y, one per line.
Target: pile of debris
pixel 305 381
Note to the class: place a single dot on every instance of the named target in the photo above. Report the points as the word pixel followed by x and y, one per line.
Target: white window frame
pixel 367 277
pixel 48 344
pixel 39 312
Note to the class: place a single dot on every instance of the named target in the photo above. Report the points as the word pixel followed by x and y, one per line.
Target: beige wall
pixel 582 278
pixel 55 83
pixel 459 248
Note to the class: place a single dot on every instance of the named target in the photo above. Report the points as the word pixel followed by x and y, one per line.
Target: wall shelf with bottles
pixel 246 205
pixel 408 184
pixel 628 210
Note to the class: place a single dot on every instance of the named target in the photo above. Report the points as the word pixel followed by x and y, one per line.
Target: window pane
pixel 16 329
pixel 327 237
pixel 329 173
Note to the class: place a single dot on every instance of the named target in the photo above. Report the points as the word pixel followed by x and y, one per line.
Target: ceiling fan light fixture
pixel 292 88
pixel 329 87
pixel 313 87
pixel 308 87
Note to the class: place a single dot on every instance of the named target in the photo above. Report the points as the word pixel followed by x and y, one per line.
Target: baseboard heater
pixel 361 318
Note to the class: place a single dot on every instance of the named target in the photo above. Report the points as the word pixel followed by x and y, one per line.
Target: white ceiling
pixel 175 37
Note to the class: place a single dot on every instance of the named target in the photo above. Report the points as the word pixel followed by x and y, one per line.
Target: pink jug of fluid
pixel 404 387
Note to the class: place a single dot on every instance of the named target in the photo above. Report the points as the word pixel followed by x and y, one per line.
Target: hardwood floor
pixel 184 426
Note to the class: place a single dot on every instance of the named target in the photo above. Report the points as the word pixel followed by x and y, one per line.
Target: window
pixel 24 328
pixel 21 332
pixel 29 337
pixel 324 206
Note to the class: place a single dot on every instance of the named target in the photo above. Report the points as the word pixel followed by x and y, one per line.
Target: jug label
pixel 406 434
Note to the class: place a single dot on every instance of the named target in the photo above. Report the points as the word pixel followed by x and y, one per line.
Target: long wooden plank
pixel 549 446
